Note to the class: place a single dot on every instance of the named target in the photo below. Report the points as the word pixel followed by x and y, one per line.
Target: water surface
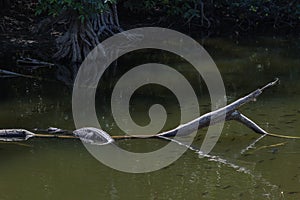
pixel 63 169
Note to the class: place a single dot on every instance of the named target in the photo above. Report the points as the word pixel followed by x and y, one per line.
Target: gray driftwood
pixel 96 136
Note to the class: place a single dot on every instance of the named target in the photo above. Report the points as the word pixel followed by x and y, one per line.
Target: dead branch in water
pixel 96 136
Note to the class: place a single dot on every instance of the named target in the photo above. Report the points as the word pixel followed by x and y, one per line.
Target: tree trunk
pixel 81 37
pixel 4 4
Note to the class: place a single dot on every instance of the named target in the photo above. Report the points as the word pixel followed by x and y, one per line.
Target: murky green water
pixel 63 169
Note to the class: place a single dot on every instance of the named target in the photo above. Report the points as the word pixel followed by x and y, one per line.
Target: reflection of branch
pixel 94 135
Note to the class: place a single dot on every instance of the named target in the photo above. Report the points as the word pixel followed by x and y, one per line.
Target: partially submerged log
pixel 12 135
pixel 52 130
pixel 100 137
pixel 93 136
pixel 87 135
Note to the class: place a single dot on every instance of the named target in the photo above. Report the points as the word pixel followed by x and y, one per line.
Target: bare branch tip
pixel 276 81
pixel 270 84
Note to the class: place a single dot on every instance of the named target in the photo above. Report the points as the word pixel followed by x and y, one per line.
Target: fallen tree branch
pixel 217 115
pixel 97 136
pixel 250 124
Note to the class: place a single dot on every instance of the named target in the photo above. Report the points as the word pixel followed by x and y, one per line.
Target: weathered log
pixel 88 135
pixel 93 136
pixel 52 130
pixel 10 135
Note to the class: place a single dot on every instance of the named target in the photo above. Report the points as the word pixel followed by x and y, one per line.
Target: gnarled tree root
pixel 80 38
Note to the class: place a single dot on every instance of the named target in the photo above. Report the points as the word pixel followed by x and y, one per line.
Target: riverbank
pixel 21 34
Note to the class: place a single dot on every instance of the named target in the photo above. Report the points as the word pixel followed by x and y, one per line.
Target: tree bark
pixel 81 37
pixel 4 4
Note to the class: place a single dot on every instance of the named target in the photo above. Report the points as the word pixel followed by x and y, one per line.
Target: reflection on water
pixel 63 169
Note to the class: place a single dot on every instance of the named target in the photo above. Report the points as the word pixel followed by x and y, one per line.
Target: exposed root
pixel 80 38
pixel 203 17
